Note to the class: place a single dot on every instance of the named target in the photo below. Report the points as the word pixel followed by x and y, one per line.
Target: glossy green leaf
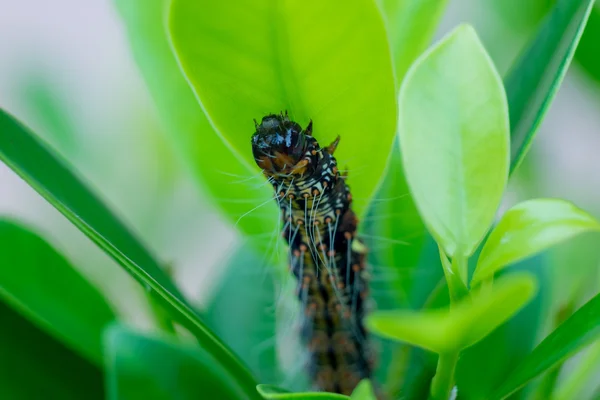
pixel 245 297
pixel 52 179
pixel 228 180
pixel 447 331
pixel 528 228
pixel 37 366
pixel 536 76
pixel 363 391
pixel 579 330
pixel 454 139
pixel 324 61
pixel 410 25
pixel 34 279
pixel 141 367
pixel 271 392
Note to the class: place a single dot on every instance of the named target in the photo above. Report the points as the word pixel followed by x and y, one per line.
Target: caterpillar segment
pixel 326 257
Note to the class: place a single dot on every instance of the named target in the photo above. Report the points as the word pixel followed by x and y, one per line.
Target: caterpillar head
pixel 279 145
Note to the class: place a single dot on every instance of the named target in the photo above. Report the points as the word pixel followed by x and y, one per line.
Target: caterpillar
pixel 326 257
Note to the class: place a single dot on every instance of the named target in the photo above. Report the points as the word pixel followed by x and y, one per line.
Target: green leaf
pixel 448 331
pixel 587 55
pixel 34 279
pixel 49 176
pixel 392 213
pixel 271 392
pixel 363 391
pixel 520 18
pixel 247 291
pixel 36 366
pixel 454 138
pixel 485 365
pixel 536 76
pixel 140 367
pixel 528 228
pixel 395 235
pixel 579 330
pixel 410 24
pixel 309 58
pixel 216 167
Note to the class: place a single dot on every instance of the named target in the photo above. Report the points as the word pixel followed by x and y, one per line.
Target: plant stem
pixel 443 381
pixel 460 268
pixel 456 286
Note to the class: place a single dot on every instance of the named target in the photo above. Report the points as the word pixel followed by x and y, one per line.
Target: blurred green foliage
pixel 35 365
pixel 343 70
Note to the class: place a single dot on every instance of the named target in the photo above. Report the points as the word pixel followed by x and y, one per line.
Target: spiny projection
pixel 326 257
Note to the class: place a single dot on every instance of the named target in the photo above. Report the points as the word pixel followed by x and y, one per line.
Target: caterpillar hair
pixel 326 257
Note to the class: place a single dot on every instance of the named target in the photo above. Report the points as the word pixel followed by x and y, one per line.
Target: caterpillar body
pixel 326 257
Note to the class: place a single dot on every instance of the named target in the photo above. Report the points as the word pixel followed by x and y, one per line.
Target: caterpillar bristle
pixel 325 255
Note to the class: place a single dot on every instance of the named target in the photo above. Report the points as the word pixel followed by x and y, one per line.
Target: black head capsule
pixel 279 145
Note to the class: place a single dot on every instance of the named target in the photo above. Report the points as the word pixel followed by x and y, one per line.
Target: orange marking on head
pixel 283 161
pixel 266 164
pixel 300 167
